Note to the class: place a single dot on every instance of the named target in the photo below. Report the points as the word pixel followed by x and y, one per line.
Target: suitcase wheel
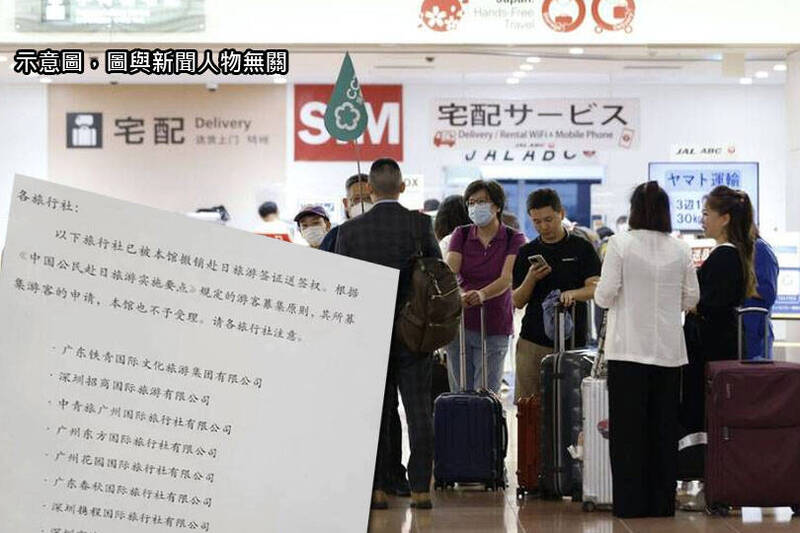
pixel 589 507
pixel 718 509
pixel 520 493
pixel 577 496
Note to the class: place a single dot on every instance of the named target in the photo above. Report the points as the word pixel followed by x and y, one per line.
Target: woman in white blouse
pixel 648 280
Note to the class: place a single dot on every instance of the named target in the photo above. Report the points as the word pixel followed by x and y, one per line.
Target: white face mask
pixel 354 210
pixel 481 214
pixel 314 235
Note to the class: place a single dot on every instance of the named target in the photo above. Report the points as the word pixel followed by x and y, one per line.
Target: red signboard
pixel 382 138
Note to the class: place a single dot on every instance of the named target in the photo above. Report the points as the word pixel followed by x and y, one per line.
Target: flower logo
pixel 435 17
pixel 347 116
pixel 441 15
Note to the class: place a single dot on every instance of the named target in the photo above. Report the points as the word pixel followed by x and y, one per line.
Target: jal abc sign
pixel 382 138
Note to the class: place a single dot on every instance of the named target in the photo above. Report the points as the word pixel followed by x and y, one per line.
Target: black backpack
pixel 431 316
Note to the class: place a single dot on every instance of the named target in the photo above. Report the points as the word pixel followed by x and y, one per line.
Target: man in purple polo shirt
pixel 483 255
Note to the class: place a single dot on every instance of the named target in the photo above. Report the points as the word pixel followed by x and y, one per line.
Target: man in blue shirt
pixel 766 267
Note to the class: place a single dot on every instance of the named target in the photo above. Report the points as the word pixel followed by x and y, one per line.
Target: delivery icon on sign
pixel 444 138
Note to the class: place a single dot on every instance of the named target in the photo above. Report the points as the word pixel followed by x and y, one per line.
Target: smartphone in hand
pixel 537 261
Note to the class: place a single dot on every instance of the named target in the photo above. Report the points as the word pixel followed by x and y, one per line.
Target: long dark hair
pixel 452 213
pixel 740 230
pixel 650 208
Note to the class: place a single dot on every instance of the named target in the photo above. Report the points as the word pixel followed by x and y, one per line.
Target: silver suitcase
pixel 597 485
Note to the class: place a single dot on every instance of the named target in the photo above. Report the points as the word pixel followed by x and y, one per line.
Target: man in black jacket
pixel 358 202
pixel 385 235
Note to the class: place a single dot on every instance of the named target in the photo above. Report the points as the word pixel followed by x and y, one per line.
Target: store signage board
pixel 578 124
pixel 703 152
pixel 453 22
pixel 382 138
pixel 786 246
pixel 195 368
pixel 687 184
pixel 414 195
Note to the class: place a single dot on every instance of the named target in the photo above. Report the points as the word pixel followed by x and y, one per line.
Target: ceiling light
pixel 280 80
pixel 526 67
pixel 761 74
pixel 519 74
pixel 45 80
pixel 576 51
pixel 534 59
pixel 512 81
pixel 746 81
pixel 780 67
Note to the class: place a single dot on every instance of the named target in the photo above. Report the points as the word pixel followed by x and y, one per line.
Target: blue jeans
pixel 496 348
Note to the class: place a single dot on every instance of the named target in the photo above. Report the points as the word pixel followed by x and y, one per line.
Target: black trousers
pixel 643 433
pixel 411 374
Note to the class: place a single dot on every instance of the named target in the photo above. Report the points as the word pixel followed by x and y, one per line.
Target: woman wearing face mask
pixel 482 255
pixel 313 223
pixel 726 279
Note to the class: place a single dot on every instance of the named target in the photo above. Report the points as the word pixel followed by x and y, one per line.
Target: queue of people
pixel 665 319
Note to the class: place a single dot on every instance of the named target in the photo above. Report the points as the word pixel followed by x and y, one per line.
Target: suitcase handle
pixel 741 311
pixel 505 437
pixel 560 341
pixel 462 337
pixel 600 360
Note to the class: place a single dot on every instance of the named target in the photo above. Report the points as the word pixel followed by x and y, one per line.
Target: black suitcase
pixel 562 416
pixel 470 433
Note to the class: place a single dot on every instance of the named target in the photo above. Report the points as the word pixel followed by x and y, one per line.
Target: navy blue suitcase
pixel 471 436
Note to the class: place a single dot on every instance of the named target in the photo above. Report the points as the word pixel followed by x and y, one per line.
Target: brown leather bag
pixel 431 316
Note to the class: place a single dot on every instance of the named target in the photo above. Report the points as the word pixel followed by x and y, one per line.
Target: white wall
pixel 23 139
pixel 753 118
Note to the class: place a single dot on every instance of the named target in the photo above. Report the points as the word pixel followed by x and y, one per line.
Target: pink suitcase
pixel 753 424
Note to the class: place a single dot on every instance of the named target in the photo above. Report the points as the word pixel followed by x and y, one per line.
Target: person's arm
pixel 454 261
pixel 766 267
pixel 584 294
pixel 501 284
pixel 522 294
pixel 690 288
pixel 611 278
pixel 454 256
pixel 590 274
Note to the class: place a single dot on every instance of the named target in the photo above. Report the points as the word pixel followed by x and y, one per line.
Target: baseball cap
pixel 317 210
